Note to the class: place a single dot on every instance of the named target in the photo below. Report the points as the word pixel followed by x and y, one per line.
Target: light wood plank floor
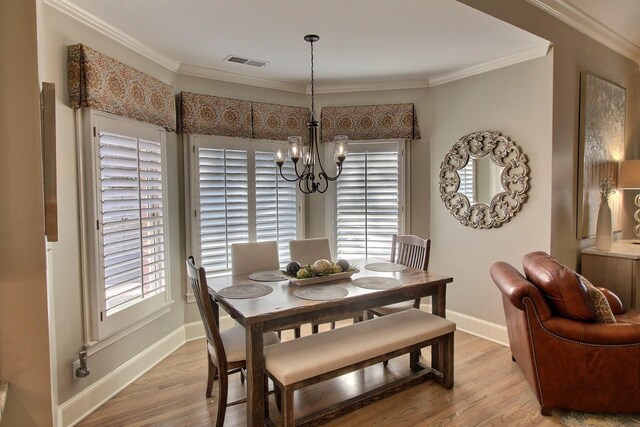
pixel 489 390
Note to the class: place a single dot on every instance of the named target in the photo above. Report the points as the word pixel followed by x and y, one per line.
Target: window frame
pixel 403 187
pixel 192 188
pixel 100 331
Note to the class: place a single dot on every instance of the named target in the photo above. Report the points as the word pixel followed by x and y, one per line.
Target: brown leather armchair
pixel 570 360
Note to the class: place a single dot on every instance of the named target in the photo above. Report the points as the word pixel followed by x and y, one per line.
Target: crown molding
pixel 369 86
pixel 494 64
pixel 79 14
pixel 578 19
pixel 225 76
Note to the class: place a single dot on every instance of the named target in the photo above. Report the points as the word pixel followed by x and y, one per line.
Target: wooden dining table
pixel 281 309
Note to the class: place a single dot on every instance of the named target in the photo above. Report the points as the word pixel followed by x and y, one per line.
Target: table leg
pixel 255 375
pixel 439 308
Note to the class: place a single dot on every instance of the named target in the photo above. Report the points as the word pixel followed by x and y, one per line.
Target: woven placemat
pixel 321 292
pixel 377 283
pixel 385 266
pixel 245 290
pixel 268 276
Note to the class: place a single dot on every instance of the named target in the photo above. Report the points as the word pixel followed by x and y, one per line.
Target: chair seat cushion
pixel 385 310
pixel 293 361
pixel 234 340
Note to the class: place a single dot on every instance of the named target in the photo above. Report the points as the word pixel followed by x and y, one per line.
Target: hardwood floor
pixel 489 390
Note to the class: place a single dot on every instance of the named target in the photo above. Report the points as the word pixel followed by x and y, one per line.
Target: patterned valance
pixel 278 122
pixel 212 115
pixel 369 122
pixel 100 82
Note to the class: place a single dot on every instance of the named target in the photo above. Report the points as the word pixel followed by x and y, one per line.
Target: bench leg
pixel 447 363
pixel 266 397
pixel 288 419
pixel 278 398
pixel 314 328
pixel 414 358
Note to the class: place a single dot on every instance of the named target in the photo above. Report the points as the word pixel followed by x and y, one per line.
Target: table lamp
pixel 629 179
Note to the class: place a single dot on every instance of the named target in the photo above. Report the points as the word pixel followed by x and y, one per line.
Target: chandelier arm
pixel 322 177
pixel 334 178
pixel 288 179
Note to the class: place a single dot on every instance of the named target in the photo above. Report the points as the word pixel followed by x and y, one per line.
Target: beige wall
pixel 24 357
pixel 573 52
pixel 516 101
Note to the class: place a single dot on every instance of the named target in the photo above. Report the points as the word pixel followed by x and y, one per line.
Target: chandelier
pixel 309 180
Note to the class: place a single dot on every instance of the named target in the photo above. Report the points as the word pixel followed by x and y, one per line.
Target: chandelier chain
pixel 313 104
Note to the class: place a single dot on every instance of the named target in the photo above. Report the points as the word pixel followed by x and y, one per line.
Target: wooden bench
pixel 299 363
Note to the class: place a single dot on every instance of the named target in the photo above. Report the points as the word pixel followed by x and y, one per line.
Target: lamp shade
pixel 629 176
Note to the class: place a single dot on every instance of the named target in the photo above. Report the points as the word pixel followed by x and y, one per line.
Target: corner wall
pixel 24 324
pixel 515 100
pixel 573 52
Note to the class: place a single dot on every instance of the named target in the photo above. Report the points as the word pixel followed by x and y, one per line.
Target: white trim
pixel 226 76
pixel 88 400
pixel 369 86
pixel 474 326
pixel 93 347
pixel 586 24
pixel 103 27
pixel 494 64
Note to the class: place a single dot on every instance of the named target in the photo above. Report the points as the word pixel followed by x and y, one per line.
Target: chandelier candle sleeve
pixel 309 179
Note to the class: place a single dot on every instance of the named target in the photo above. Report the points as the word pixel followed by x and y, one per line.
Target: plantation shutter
pixel 467 180
pixel 276 204
pixel 131 238
pixel 367 200
pixel 224 206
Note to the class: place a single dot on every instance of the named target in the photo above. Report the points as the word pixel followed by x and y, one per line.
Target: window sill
pixel 95 346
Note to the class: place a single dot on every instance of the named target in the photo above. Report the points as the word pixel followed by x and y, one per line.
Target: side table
pixel 617 270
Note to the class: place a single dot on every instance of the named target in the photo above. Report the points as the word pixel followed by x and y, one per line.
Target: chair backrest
pixel 411 251
pixel 308 251
pixel 247 258
pixel 198 280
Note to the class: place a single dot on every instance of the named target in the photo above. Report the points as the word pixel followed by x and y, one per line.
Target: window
pixel 468 180
pixel 368 200
pixel 126 188
pixel 238 195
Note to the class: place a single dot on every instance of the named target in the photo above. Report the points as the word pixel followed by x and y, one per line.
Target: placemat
pixel 321 292
pixel 377 283
pixel 245 290
pixel 268 276
pixel 385 266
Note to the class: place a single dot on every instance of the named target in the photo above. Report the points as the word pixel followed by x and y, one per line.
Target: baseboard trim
pixel 88 400
pixel 474 326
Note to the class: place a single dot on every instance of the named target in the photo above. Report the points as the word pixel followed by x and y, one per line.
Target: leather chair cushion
pixel 559 284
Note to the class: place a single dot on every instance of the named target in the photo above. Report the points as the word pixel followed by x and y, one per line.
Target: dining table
pixel 281 309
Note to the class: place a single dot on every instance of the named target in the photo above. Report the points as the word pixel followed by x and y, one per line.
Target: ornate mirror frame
pixel 514 178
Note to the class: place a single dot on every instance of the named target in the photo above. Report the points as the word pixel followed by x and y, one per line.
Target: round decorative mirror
pixel 484 179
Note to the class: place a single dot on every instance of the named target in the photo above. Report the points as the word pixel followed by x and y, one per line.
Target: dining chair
pixel 226 351
pixel 247 258
pixel 413 252
pixel 308 251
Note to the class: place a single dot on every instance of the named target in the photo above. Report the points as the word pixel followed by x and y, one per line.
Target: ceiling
pixel 361 41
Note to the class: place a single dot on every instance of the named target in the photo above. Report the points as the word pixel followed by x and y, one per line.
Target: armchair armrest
pixel 591 333
pixel 614 301
pixel 516 288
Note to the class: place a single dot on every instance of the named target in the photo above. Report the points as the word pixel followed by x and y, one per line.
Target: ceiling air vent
pixel 246 61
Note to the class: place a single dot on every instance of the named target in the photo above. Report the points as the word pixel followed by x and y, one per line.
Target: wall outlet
pixel 76 365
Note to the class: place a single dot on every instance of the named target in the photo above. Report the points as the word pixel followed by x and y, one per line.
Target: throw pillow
pixel 601 306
